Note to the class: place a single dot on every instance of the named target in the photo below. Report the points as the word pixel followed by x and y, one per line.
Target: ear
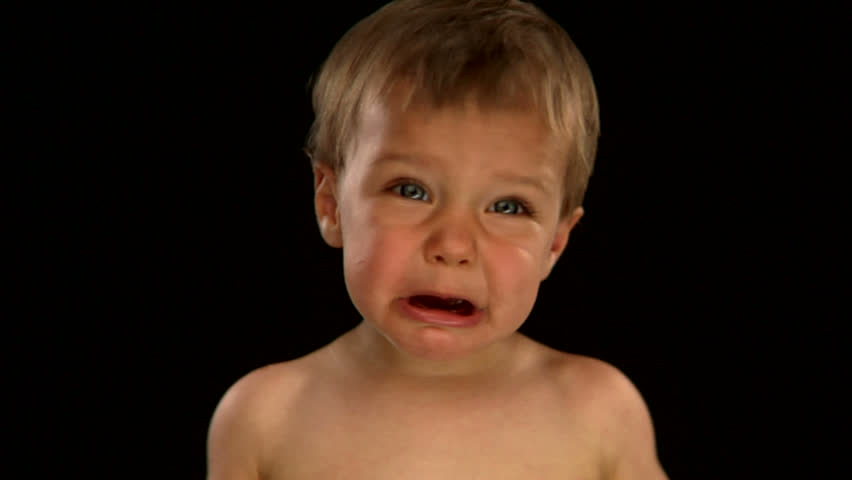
pixel 325 203
pixel 560 238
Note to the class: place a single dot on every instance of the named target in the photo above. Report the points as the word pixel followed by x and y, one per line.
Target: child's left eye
pixel 508 207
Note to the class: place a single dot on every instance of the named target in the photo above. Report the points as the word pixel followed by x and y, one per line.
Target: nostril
pixel 443 259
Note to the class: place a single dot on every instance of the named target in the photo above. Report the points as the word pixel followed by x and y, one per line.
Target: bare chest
pixel 381 442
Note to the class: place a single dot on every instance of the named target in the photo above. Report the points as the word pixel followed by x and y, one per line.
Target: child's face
pixel 454 203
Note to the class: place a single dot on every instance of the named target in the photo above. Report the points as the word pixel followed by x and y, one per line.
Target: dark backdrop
pixel 178 248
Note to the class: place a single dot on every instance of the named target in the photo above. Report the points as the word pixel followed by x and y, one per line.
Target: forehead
pixel 407 125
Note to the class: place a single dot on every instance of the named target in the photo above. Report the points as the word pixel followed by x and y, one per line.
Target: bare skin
pixel 338 413
pixel 413 393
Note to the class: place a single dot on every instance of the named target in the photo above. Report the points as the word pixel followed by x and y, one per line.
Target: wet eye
pixel 508 207
pixel 412 191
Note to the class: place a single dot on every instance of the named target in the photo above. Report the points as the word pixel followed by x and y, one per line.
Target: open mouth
pixel 459 306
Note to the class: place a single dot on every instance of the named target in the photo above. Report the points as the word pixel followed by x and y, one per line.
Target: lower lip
pixel 439 317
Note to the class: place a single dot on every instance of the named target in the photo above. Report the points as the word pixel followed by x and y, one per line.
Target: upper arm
pixel 233 439
pixel 631 451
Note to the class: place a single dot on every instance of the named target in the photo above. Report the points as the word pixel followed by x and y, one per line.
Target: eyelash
pixel 397 188
pixel 525 207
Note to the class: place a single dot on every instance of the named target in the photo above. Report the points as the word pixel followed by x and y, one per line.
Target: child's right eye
pixel 412 191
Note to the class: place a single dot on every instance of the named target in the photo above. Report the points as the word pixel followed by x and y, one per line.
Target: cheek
pixel 375 255
pixel 517 273
pixel 529 244
pixel 525 255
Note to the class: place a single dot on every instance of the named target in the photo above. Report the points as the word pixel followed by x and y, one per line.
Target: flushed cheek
pixel 514 274
pixel 375 260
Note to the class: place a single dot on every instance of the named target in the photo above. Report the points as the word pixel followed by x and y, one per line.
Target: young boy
pixel 451 150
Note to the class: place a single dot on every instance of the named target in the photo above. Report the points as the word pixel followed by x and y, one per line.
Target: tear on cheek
pixel 458 306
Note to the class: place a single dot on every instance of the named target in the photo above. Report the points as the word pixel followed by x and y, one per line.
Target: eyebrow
pixel 392 157
pixel 529 180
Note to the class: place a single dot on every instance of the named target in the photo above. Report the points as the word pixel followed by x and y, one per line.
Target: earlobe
pixel 325 203
pixel 560 238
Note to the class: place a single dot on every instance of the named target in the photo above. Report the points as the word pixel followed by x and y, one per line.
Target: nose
pixel 451 241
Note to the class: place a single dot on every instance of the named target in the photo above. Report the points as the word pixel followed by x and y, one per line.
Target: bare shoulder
pixel 610 388
pixel 609 399
pixel 249 413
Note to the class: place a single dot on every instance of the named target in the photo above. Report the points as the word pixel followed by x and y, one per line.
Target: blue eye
pixel 412 191
pixel 508 207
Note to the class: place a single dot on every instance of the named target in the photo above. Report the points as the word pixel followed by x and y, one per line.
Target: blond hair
pixel 503 53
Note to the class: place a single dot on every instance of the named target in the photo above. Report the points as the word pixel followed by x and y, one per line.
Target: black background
pixel 176 249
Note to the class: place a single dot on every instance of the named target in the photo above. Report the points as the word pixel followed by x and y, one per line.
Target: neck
pixel 374 353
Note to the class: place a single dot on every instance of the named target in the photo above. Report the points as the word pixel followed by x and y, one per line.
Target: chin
pixel 442 344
